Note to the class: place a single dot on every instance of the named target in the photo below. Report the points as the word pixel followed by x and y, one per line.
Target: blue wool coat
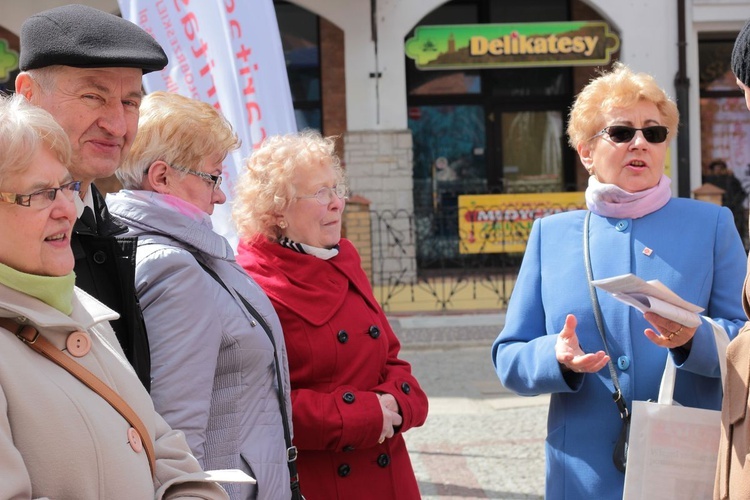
pixel 695 250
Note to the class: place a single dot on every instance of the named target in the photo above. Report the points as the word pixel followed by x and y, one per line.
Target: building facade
pixel 418 142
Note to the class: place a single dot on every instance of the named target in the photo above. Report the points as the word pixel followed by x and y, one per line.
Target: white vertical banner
pixel 227 53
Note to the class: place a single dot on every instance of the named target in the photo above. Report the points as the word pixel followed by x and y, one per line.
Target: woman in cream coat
pixel 58 438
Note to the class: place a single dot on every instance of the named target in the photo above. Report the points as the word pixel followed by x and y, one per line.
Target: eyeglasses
pixel 324 195
pixel 44 197
pixel 214 179
pixel 622 133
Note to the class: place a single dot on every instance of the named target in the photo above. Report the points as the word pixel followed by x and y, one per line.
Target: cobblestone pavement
pixel 479 440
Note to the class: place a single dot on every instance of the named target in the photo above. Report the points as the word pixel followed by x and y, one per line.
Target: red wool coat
pixel 342 352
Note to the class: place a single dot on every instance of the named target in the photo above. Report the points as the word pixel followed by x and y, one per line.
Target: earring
pixel 283 224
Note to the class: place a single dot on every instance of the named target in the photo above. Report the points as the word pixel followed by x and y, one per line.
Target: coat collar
pixel 147 219
pixel 102 224
pixel 310 287
pixel 87 311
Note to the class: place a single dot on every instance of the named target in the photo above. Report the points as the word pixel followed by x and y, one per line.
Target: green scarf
pixel 56 291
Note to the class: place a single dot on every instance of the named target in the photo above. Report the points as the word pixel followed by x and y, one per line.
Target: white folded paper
pixel 228 476
pixel 651 296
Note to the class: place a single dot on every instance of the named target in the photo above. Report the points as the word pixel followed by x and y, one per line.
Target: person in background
pixel 84 66
pixel 353 398
pixel 620 124
pixel 732 468
pixel 212 364
pixel 718 174
pixel 58 438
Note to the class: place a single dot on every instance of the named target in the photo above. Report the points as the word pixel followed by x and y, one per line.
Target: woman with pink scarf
pixel 581 349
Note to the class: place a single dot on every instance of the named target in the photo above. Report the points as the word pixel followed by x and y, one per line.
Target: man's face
pixel 98 108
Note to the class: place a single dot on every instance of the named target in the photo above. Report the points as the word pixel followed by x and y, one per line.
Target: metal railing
pixel 419 266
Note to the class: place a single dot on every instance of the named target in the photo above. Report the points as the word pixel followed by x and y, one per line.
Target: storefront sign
pixel 496 223
pixel 462 46
pixel 8 61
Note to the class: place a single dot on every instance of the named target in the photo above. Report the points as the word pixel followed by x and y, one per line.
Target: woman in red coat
pixel 352 397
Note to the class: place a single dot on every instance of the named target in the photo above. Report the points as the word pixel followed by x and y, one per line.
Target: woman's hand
pixel 670 333
pixel 570 355
pixel 391 417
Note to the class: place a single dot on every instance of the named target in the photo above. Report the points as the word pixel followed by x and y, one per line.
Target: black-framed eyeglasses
pixel 213 179
pixel 655 134
pixel 324 195
pixel 44 197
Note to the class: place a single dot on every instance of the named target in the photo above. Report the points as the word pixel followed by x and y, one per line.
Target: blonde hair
pixel 24 129
pixel 265 187
pixel 177 130
pixel 620 88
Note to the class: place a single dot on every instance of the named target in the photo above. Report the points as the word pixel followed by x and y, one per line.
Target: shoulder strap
pixel 32 338
pixel 291 451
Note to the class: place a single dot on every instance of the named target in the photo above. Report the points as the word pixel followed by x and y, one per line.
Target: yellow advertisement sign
pixel 497 223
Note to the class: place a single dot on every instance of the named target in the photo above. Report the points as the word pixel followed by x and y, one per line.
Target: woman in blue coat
pixel 621 125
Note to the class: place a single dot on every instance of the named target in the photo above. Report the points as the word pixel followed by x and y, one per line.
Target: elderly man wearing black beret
pixel 84 66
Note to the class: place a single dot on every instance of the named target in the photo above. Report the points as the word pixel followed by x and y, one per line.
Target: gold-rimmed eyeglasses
pixel 44 197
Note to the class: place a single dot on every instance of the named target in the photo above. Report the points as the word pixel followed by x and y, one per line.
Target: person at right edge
pixel 84 67
pixel 733 468
pixel 621 124
pixel 352 397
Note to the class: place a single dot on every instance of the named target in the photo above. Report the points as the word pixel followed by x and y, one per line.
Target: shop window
pixel 725 125
pixel 532 144
pixel 299 29
pixel 484 131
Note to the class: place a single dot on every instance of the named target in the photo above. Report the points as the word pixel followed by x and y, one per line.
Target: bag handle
pixel 666 388
pixel 32 338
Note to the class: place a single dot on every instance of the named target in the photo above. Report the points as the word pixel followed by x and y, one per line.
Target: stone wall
pixel 379 168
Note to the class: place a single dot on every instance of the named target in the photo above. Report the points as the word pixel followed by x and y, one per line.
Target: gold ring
pixel 678 331
pixel 671 335
pixel 380 441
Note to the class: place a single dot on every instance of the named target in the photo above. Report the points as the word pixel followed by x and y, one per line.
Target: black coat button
pixel 344 470
pixel 100 257
pixel 374 331
pixel 348 397
pixel 384 460
pixel 343 336
pixel 406 388
pixel 348 448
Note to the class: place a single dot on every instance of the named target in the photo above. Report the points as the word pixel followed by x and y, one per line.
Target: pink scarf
pixel 609 200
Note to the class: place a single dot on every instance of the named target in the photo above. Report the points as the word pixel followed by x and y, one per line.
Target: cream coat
pixel 732 468
pixel 59 439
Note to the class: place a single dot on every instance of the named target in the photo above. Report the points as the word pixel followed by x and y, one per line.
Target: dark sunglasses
pixel 622 133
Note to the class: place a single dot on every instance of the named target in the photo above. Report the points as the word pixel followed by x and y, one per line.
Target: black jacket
pixel 105 268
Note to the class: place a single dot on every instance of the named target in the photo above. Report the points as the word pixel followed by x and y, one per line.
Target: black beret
pixel 741 55
pixel 84 37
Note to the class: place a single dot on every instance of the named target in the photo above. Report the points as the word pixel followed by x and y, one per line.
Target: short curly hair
pixel 177 130
pixel 619 88
pixel 265 187
pixel 24 130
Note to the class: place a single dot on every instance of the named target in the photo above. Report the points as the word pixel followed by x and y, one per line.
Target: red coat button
pixel 135 440
pixel 78 344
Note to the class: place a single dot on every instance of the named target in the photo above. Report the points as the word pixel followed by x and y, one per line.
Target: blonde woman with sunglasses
pixel 621 125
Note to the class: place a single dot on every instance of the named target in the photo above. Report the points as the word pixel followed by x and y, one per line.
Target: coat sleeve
pixel 178 474
pixel 349 415
pixel 523 353
pixel 725 300
pixel 399 382
pixel 177 298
